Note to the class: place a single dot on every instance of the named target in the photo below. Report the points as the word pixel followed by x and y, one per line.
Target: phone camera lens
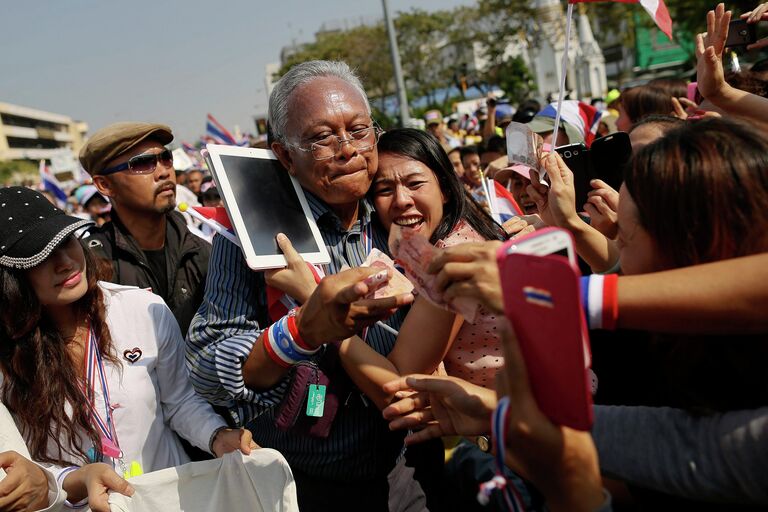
pixel 567 154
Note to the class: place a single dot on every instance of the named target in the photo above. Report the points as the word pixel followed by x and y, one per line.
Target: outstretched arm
pixel 711 77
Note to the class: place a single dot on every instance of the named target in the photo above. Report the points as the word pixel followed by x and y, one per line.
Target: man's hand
pixel 297 280
pixel 25 488
pixel 337 308
pixel 560 461
pixel 602 207
pixel 556 203
pixel 469 270
pixel 229 440
pixel 95 481
pixel 709 55
pixel 444 406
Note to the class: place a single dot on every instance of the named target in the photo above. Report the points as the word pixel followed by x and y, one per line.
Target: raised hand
pixel 297 280
pixel 556 203
pixel 709 54
pixel 602 206
pixel 560 461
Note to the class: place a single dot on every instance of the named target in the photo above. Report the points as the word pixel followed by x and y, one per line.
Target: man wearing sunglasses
pixel 147 242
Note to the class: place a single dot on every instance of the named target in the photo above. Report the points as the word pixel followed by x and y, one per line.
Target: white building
pixel 31 134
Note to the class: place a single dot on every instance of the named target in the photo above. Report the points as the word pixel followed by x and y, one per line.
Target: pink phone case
pixel 542 301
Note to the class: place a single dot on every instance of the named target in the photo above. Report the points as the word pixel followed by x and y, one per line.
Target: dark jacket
pixel 186 258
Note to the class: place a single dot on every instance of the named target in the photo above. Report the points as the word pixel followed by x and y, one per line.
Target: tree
pixel 364 48
pixel 425 53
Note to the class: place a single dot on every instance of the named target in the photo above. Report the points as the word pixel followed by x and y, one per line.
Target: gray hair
pixel 299 75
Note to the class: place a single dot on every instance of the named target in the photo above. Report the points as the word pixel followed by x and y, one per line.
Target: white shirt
pixel 152 397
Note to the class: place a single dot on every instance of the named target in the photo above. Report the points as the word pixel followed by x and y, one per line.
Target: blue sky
pixel 169 61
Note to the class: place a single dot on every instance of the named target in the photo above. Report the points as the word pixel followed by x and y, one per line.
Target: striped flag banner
pixel 656 8
pixel 51 184
pixel 216 132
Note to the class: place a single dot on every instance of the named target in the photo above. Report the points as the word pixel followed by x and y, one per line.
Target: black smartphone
pixel 741 33
pixel 609 155
pixel 576 157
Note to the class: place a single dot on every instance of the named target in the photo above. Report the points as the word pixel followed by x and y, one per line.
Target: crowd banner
pixel 259 482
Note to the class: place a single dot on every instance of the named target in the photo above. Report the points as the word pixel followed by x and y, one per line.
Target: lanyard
pixel 95 375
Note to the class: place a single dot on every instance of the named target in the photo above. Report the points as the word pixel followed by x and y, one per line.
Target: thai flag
pixel 503 205
pixel 215 131
pixel 583 117
pixel 656 8
pixel 51 184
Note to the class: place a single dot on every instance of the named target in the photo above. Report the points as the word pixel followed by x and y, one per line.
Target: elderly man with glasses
pixel 147 244
pixel 323 134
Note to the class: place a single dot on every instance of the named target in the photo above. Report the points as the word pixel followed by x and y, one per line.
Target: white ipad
pixel 262 200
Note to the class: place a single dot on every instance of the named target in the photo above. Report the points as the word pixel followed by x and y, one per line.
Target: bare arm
pixel 557 207
pixel 725 297
pixel 425 337
pixel 711 78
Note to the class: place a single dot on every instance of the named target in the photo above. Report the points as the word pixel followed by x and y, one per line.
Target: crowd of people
pixel 134 339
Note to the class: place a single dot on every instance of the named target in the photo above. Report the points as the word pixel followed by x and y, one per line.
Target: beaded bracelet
pixel 600 300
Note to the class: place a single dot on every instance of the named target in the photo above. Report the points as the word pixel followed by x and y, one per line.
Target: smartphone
pixel 544 242
pixel 542 302
pixel 608 156
pixel 576 157
pixel 741 33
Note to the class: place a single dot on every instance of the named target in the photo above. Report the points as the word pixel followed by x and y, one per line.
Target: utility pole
pixel 402 99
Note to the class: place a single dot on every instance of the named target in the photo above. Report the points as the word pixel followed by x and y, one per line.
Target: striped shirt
pixel 230 320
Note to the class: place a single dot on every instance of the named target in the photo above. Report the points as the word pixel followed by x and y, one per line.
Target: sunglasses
pixel 146 163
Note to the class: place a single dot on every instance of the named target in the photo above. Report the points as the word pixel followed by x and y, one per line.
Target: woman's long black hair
pixel 423 147
pixel 40 380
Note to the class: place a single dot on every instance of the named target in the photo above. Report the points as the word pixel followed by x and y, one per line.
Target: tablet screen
pixel 268 203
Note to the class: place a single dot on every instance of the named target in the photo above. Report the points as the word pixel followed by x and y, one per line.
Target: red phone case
pixel 542 301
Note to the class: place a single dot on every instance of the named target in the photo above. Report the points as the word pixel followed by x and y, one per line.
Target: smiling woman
pixel 71 344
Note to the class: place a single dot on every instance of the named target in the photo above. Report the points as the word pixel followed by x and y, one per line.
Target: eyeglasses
pixel 328 147
pixel 146 163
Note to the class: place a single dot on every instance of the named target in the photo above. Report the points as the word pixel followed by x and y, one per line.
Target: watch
pixel 484 443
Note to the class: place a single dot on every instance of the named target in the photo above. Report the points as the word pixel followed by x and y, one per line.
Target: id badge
pixel 316 400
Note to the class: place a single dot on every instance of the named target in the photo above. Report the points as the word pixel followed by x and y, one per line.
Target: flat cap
pixel 115 139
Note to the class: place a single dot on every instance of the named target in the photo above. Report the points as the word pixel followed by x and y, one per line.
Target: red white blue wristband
pixel 600 300
pixel 499 427
pixel 281 345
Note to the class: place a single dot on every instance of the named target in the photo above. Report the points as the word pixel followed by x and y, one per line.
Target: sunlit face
pixel 455 158
pixel 517 186
pixel 623 123
pixel 644 135
pixel 328 106
pixel 60 279
pixel 471 163
pixel 406 192
pixel 639 253
pixel 143 193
